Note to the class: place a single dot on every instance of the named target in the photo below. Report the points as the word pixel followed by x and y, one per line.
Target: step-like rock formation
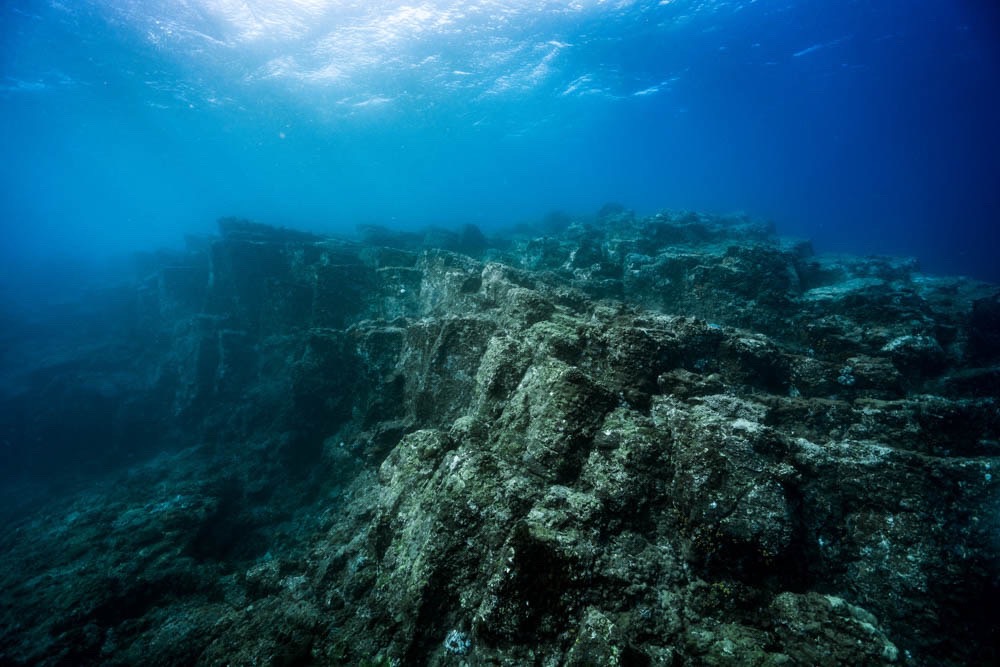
pixel 675 440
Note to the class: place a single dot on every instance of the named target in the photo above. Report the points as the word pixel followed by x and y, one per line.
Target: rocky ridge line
pixel 674 440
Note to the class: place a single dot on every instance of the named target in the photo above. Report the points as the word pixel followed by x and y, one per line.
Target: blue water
pixel 870 127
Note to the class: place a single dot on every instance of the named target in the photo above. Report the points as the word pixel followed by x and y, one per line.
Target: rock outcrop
pixel 675 440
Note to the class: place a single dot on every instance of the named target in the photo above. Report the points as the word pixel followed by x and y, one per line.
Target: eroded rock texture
pixel 675 440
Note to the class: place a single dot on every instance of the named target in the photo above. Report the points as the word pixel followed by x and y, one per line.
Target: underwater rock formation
pixel 674 440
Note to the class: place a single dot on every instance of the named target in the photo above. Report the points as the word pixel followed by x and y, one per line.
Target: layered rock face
pixel 675 440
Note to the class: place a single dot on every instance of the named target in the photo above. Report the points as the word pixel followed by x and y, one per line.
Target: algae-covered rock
pixel 622 440
pixel 825 630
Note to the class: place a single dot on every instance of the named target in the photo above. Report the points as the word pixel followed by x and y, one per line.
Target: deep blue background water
pixel 870 127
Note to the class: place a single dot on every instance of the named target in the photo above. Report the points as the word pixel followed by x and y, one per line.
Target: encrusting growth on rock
pixel 672 440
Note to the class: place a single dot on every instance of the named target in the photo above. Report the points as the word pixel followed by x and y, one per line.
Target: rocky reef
pixel 673 440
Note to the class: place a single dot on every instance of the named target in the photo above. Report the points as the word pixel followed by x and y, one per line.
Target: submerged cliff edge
pixel 672 440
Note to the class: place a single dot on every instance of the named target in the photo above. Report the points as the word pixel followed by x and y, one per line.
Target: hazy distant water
pixel 867 126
